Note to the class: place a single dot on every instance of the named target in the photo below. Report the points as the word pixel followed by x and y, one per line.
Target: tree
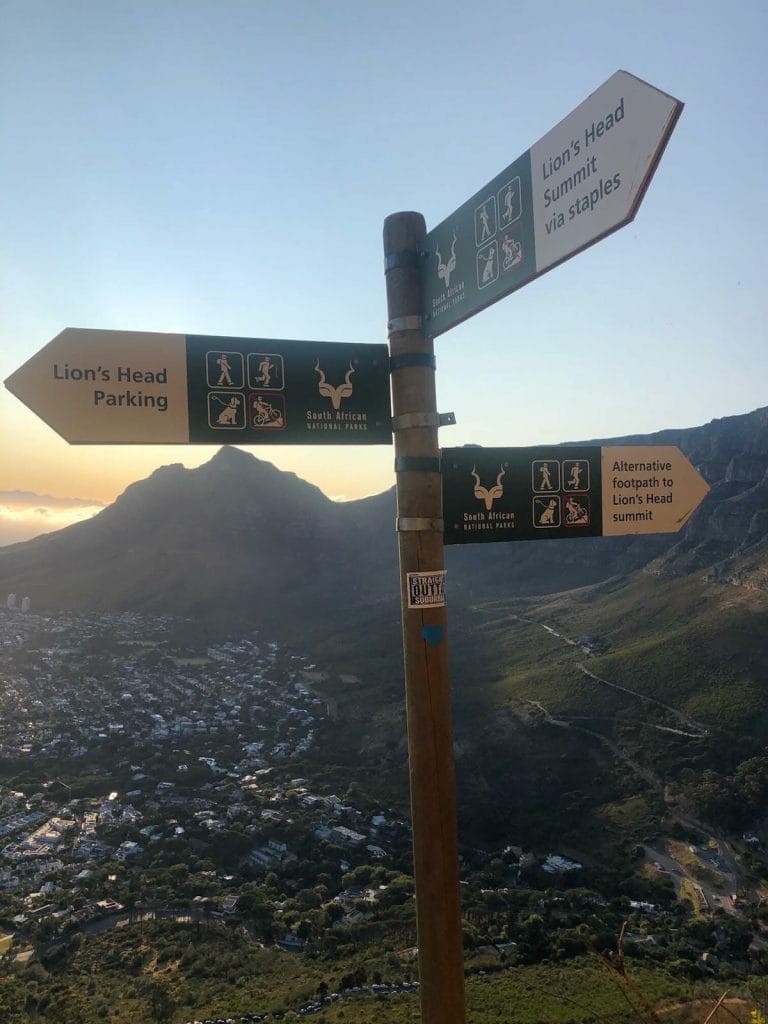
pixel 161 1001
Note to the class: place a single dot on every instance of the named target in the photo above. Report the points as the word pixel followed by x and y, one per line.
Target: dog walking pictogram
pixel 226 411
pixel 546 512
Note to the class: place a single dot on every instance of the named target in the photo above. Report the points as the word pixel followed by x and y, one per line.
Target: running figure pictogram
pixel 265 372
pixel 509 209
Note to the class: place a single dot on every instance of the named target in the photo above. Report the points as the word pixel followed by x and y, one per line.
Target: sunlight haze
pixel 225 169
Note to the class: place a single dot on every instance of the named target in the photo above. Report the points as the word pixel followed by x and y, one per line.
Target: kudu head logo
pixel 444 270
pixel 488 494
pixel 335 394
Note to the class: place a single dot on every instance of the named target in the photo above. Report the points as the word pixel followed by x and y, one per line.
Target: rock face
pixel 732 455
pixel 238 539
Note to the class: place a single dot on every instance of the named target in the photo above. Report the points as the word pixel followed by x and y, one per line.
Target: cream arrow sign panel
pixel 109 387
pixel 127 387
pixel 648 489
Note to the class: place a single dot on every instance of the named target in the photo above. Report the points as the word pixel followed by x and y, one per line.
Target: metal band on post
pixel 415 419
pixel 404 360
pixel 416 464
pixel 403 258
pixel 411 420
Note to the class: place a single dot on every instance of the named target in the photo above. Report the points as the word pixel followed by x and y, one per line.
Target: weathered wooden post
pixel 425 645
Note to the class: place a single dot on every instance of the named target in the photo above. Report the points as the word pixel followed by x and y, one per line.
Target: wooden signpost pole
pixel 425 646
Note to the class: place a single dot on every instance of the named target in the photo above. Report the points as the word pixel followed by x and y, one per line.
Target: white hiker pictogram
pixel 485 221
pixel 485 228
pixel 343 390
pixel 545 478
pixel 444 270
pixel 488 494
pixel 224 369
pixel 225 377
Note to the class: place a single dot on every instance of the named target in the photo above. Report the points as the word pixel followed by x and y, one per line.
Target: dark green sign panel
pixel 482 252
pixel 502 494
pixel 584 179
pixel 262 391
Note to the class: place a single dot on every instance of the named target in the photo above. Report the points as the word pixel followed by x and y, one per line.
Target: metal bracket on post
pixel 422 419
pixel 404 323
pixel 418 524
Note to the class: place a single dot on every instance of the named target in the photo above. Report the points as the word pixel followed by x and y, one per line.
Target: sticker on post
pixel 426 589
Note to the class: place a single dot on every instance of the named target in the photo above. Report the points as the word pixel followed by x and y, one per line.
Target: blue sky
pixel 225 168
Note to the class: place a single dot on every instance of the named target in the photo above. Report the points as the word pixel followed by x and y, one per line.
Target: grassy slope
pixel 697 647
pixel 218 975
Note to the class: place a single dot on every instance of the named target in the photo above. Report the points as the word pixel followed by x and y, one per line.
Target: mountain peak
pixel 230 455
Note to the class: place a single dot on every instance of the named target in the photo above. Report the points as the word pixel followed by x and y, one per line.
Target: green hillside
pixel 170 974
pixel 610 692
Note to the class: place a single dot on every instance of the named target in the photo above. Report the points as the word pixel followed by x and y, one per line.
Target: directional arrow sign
pixel 583 180
pixel 122 387
pixel 545 493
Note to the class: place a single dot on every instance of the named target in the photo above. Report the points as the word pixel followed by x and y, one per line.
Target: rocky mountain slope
pixel 237 539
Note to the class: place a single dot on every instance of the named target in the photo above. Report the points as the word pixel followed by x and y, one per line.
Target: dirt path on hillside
pixel 645 774
pixel 696 729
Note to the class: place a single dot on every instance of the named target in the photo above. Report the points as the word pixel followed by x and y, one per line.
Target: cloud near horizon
pixel 24 515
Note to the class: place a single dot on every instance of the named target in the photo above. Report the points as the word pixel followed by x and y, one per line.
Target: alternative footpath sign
pixel 123 387
pixel 550 492
pixel 581 181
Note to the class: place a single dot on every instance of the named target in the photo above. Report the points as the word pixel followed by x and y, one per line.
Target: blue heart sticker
pixel 432 634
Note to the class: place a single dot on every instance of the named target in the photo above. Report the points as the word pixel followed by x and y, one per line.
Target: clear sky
pixel 225 168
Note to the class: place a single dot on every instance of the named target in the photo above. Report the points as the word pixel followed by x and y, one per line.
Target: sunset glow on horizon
pixel 226 170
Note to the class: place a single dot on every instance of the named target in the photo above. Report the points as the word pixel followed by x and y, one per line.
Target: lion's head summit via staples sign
pixel 584 179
